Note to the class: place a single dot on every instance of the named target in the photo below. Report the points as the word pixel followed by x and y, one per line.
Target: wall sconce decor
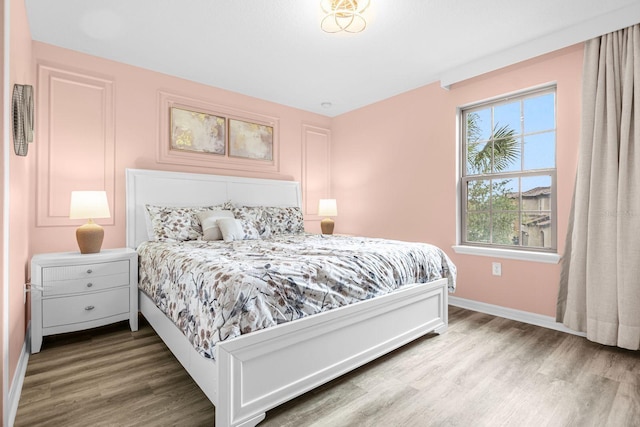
pixel 22 110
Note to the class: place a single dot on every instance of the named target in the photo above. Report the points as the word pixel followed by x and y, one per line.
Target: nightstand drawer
pixel 84 308
pixel 90 284
pixel 84 271
pixel 72 291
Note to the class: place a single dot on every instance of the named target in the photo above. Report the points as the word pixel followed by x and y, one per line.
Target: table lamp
pixel 327 208
pixel 89 205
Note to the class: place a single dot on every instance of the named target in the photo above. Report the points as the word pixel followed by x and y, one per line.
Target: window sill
pixel 545 257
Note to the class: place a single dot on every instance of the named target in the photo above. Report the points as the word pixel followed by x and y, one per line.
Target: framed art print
pixel 250 140
pixel 198 132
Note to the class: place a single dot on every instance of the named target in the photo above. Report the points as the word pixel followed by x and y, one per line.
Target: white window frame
pixel 492 250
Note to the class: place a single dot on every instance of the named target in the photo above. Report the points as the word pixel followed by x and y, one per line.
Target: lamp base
pixel 326 225
pixel 90 236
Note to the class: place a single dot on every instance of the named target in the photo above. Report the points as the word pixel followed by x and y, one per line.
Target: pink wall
pixel 19 187
pixel 394 173
pixel 136 136
pixel 3 35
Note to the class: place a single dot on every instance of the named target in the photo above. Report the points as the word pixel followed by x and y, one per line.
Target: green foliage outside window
pixel 491 195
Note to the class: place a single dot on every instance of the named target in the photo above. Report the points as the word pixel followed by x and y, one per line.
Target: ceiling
pixel 275 50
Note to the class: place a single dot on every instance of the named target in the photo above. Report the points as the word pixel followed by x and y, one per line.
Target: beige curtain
pixel 600 280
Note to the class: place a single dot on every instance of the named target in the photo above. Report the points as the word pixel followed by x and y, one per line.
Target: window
pixel 508 172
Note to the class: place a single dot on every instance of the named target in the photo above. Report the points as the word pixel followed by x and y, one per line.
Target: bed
pixel 249 372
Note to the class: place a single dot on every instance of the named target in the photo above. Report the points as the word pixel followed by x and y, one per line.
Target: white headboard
pixel 189 189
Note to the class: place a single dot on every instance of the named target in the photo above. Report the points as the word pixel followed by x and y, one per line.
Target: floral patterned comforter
pixel 214 290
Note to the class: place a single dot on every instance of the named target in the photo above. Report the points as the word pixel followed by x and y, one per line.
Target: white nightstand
pixel 71 291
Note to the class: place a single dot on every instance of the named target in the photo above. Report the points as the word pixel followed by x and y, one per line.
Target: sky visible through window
pixel 533 120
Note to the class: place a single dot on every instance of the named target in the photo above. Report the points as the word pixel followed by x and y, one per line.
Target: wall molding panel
pixel 75 141
pixel 316 168
pixel 165 154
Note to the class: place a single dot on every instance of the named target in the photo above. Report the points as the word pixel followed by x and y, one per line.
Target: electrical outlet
pixel 496 269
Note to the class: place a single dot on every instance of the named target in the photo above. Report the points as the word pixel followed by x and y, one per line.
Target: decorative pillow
pixel 256 216
pixel 208 221
pixel 286 220
pixel 177 224
pixel 236 229
pixel 149 225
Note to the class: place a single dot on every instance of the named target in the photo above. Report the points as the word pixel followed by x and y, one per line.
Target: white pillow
pixel 208 220
pixel 231 229
pixel 151 235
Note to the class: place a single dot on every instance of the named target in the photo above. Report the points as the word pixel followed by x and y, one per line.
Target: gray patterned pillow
pixel 286 220
pixel 177 224
pixel 237 229
pixel 256 216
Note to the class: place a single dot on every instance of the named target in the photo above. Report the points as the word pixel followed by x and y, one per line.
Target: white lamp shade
pixel 89 205
pixel 327 207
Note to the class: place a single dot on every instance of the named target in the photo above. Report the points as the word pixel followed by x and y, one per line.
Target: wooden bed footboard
pixel 264 369
pixel 259 371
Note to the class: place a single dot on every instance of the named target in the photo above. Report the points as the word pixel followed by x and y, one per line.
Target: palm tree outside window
pixel 508 172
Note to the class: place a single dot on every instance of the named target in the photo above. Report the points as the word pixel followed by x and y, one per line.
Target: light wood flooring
pixel 485 371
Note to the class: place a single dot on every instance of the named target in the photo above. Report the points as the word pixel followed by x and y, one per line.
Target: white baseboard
pixel 18 379
pixel 510 313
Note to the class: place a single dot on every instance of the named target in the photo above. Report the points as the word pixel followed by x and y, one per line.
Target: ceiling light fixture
pixel 343 15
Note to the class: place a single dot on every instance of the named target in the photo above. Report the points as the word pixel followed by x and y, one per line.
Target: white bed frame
pixel 258 371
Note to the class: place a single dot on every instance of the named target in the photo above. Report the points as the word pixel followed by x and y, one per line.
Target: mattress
pixel 215 291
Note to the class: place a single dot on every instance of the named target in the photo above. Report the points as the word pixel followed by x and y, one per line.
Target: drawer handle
pixel 89 285
pixel 89 307
pixel 89 271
